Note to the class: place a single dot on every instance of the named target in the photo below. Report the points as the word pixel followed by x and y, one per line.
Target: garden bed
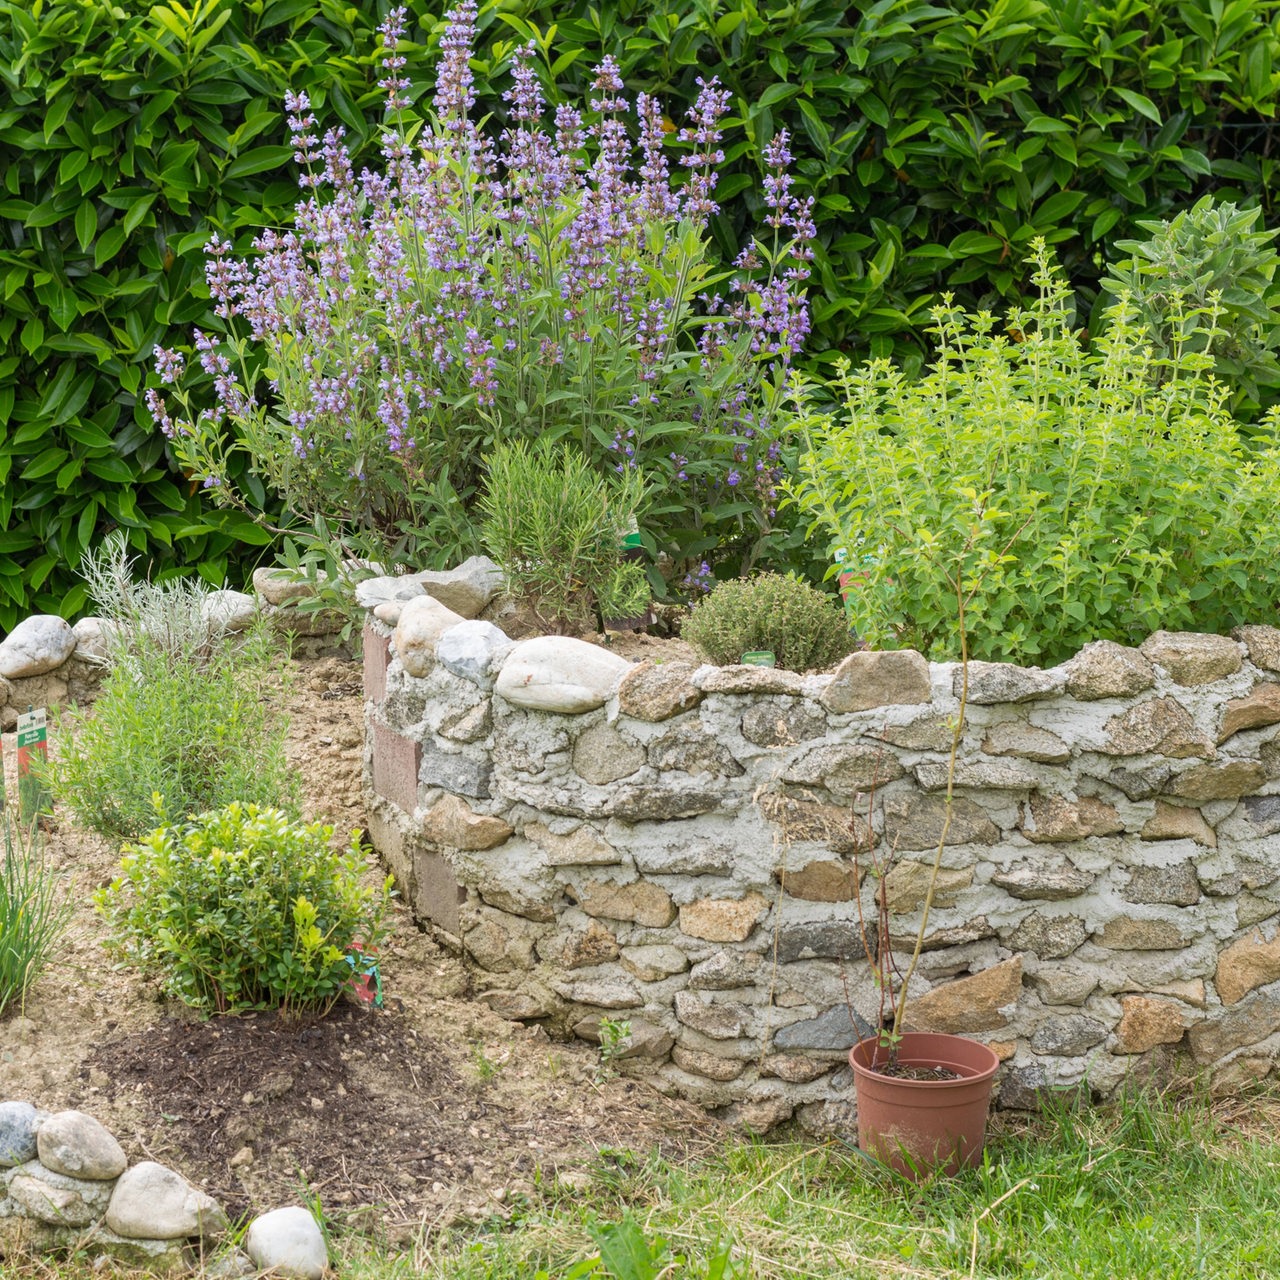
pixel 433 1109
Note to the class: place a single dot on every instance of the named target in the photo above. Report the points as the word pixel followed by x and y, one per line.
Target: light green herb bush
pixel 802 627
pixel 555 526
pixel 243 909
pixel 1087 499
pixel 626 592
pixel 33 914
pixel 200 730
pixel 184 710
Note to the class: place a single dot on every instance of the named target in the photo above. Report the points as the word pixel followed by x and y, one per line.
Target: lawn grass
pixel 1158 1187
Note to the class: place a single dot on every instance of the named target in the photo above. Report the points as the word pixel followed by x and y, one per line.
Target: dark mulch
pixel 304 1098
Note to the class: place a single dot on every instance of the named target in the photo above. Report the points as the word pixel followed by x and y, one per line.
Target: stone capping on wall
pixel 47 662
pixel 672 845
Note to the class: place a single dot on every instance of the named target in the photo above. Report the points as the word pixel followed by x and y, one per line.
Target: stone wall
pixel 47 662
pixel 66 1186
pixel 674 846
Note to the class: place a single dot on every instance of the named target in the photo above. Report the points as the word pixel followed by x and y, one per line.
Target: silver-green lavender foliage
pixel 170 617
pixel 1074 494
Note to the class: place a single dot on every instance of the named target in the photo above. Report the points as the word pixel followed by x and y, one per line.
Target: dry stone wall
pixel 674 846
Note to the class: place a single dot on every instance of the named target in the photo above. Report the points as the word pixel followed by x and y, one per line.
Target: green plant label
pixel 33 740
pixel 759 658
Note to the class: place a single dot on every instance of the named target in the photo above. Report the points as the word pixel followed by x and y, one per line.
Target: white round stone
pixel 229 610
pixel 76 1145
pixel 37 644
pixel 375 591
pixel 288 1242
pixel 151 1202
pixel 422 622
pixel 559 673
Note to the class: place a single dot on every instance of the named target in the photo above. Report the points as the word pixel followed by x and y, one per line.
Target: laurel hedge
pixel 938 140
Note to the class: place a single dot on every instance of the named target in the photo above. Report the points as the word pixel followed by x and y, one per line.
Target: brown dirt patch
pixel 434 1110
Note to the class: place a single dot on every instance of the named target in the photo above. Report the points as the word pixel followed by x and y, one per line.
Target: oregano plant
pixel 1107 502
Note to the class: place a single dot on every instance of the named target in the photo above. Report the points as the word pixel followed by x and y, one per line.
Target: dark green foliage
pixel 938 140
pixel 127 133
pixel 805 629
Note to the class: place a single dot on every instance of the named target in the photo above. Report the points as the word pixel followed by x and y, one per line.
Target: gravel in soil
pixel 432 1110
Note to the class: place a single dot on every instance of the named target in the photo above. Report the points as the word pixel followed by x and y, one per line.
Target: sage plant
pixel 550 278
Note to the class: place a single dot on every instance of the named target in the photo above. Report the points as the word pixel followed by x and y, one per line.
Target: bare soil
pixel 427 1111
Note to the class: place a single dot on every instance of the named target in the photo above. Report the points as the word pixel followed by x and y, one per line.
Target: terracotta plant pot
pixel 919 1127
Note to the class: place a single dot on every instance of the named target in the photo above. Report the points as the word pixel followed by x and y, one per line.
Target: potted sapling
pixel 923 1097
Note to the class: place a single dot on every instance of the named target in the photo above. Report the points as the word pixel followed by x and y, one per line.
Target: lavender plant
pixel 555 281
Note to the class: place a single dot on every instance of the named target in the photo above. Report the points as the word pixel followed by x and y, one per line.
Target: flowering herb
pixel 551 281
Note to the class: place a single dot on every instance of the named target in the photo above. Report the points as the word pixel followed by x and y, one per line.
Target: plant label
pixel 33 741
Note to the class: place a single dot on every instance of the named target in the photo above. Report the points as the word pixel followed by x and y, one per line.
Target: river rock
pixel 1067 1036
pixel 373 592
pixel 558 673
pixel 914 822
pixel 1146 1023
pixel 1179 822
pixel 1259 708
pixel 288 1242
pixel 1160 725
pixel 57 1199
pixel 466 589
pixel 1016 738
pixel 1053 819
pixel 37 644
pixel 281 586
pixel 641 902
pixel 722 919
pixel 1043 879
pixel 151 1202
pixel 992 682
pixel 979 1002
pixel 1263 645
pixel 1205 782
pixel 782 723
pixel 229 611
pixel 656 691
pixel 1249 962
pixel 422 622
pixel 76 1145
pixel 93 637
pixel 18 1124
pixel 1105 669
pixel 452 822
